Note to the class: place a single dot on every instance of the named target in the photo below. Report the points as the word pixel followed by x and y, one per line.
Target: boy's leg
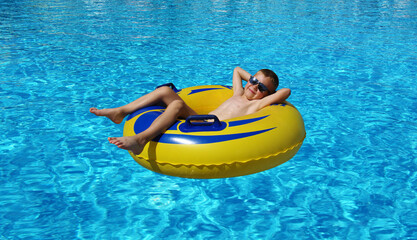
pixel 163 95
pixel 176 108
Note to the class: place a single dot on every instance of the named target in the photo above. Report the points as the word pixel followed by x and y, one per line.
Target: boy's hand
pixel 278 97
pixel 238 75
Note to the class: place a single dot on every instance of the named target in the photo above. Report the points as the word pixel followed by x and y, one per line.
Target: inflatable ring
pixel 204 147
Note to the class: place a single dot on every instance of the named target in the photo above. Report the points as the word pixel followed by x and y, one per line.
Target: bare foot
pixel 130 143
pixel 114 114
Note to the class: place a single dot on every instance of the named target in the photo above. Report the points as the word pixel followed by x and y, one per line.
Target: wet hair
pixel 272 75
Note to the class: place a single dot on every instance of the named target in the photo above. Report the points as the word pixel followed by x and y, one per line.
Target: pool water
pixel 352 68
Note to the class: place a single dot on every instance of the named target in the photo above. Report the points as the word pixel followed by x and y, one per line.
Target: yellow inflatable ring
pixel 214 149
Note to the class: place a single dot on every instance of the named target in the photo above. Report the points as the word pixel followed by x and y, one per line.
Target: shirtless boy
pixel 259 92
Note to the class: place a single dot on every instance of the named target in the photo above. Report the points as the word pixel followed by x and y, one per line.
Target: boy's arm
pixel 238 75
pixel 278 97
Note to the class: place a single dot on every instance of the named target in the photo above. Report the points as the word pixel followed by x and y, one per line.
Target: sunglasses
pixel 261 86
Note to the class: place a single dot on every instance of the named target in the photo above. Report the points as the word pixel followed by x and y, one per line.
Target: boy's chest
pixel 238 104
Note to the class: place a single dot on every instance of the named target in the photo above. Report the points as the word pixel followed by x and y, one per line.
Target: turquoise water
pixel 351 66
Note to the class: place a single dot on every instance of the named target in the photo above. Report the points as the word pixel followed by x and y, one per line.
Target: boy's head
pixel 263 83
pixel 270 74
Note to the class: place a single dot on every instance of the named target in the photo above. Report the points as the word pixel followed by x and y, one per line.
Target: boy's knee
pixel 165 90
pixel 178 104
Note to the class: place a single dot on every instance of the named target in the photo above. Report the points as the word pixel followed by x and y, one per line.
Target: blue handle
pixel 200 124
pixel 203 119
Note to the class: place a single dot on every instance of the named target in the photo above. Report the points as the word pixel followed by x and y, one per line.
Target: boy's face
pixel 252 91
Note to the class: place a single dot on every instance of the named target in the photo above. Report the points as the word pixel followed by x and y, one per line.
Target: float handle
pixel 201 120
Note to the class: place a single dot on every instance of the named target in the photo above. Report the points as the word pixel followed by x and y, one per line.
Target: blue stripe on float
pixel 245 121
pixel 194 139
pixel 142 110
pixel 202 90
pixel 229 87
pixel 146 119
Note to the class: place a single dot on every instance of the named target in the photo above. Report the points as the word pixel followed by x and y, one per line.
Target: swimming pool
pixel 351 67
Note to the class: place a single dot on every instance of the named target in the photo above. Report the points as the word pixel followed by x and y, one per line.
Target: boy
pixel 259 92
